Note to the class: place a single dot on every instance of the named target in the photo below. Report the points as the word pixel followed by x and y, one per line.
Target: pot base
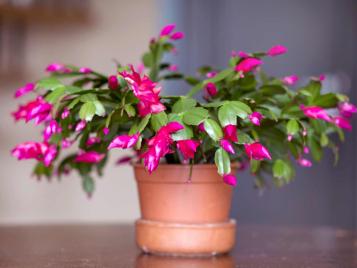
pixel 203 239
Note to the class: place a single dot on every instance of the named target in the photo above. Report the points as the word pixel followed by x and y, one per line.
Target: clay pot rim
pixel 195 166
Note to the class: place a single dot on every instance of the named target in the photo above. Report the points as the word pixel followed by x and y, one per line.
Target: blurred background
pixel 321 36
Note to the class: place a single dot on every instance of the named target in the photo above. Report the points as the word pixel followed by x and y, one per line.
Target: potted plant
pixel 186 151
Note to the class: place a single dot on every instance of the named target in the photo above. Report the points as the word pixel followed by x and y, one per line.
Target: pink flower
pixel 243 54
pixel 227 146
pixel 306 150
pixel 159 145
pixel 211 89
pixel 322 77
pixel 66 143
pixel 146 91
pixel 230 133
pixel 55 67
pixel 24 90
pixel 248 64
pixel 52 128
pixel 106 131
pixel 113 82
pixel 255 118
pixel 290 137
pixel 37 109
pixel 177 36
pixel 80 126
pixel 85 70
pixel 187 148
pixel 124 141
pixel 277 50
pixel 89 157
pixel 173 68
pixel 230 179
pixel 257 151
pixel 167 30
pixel 304 162
pixel 211 74
pixel 290 80
pixel 43 152
pixel 65 113
pixel 92 140
pixel 201 127
pixel 342 123
pixel 347 109
pixel 315 112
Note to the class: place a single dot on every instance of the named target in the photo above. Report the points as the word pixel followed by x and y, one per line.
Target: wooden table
pixel 113 246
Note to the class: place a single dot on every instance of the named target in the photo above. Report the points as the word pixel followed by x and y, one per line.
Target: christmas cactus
pixel 243 117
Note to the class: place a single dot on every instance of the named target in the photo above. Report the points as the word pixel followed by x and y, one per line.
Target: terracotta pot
pixel 181 216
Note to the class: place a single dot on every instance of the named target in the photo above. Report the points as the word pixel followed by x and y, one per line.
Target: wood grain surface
pixel 114 246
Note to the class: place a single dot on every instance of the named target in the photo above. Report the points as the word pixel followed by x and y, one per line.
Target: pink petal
pixel 255 118
pixel 24 90
pixel 106 131
pixel 85 70
pixel 124 141
pixel 113 82
pixel 315 112
pixel 290 80
pixel 177 36
pixel 211 89
pixel 304 162
pixel 230 133
pixel 230 179
pixel 80 126
pixel 166 30
pixel 277 50
pixel 227 146
pixel 187 148
pixel 65 113
pixel 342 123
pixel 257 151
pixel 248 64
pixel 347 109
pixel 89 157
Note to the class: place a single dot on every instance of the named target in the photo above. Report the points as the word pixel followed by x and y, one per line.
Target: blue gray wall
pixel 321 38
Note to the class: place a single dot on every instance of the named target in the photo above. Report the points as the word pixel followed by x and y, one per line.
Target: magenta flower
pixel 290 137
pixel 187 148
pixel 146 91
pixel 113 82
pixel 257 151
pixel 92 140
pixel 38 109
pixel 85 70
pixel 201 127
pixel 89 157
pixel 315 112
pixel 52 128
pixel 159 145
pixel 304 162
pixel 306 150
pixel 227 146
pixel 290 80
pixel 211 74
pixel 24 90
pixel 66 143
pixel 65 113
pixel 106 131
pixel 255 118
pixel 124 141
pixel 342 123
pixel 173 68
pixel 43 152
pixel 167 30
pixel 230 179
pixel 277 50
pixel 243 54
pixel 55 67
pixel 347 109
pixel 322 77
pixel 248 64
pixel 230 133
pixel 80 126
pixel 177 36
pixel 211 89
